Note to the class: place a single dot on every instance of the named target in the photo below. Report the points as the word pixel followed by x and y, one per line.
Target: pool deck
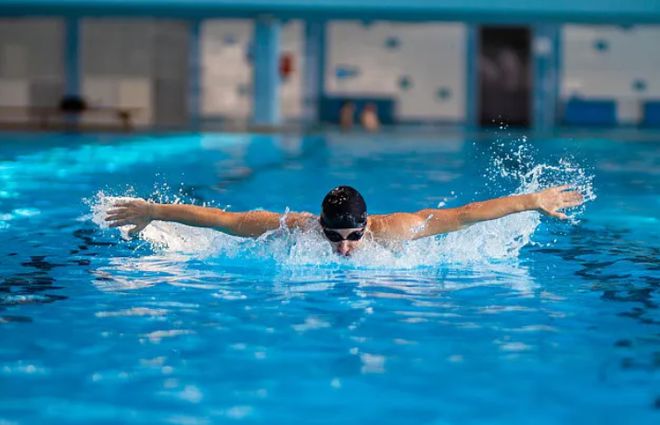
pixel 622 134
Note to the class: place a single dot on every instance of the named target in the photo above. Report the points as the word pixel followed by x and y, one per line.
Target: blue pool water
pixel 520 320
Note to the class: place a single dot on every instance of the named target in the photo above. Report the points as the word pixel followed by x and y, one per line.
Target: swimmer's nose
pixel 343 248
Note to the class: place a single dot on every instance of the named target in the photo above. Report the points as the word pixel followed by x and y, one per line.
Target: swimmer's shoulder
pixel 301 220
pixel 395 226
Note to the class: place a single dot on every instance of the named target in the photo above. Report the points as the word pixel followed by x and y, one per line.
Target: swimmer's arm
pixel 140 213
pixel 430 222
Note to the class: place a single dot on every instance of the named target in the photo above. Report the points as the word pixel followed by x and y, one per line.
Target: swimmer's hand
pixel 550 201
pixel 138 213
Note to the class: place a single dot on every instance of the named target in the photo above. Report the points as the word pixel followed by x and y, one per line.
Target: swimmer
pixel 346 113
pixel 344 221
pixel 369 117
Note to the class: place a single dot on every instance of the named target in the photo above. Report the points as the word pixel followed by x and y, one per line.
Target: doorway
pixel 504 67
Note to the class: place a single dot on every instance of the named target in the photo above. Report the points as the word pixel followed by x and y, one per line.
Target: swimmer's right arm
pixel 140 213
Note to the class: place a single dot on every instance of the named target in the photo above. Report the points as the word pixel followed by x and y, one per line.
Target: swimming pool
pixel 520 320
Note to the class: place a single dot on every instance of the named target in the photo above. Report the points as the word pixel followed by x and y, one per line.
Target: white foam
pixel 166 236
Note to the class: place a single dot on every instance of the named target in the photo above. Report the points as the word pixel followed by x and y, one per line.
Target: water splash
pixel 166 236
pixel 485 242
pixel 515 163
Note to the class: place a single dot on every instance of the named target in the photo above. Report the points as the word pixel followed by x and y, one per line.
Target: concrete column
pixel 313 70
pixel 266 78
pixel 195 74
pixel 72 63
pixel 546 58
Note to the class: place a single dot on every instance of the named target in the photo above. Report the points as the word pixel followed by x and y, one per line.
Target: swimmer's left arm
pixel 430 222
pixel 548 202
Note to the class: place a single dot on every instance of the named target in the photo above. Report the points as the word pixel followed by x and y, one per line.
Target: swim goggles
pixel 337 237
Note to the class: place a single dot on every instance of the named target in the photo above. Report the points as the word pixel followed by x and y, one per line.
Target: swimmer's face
pixel 344 241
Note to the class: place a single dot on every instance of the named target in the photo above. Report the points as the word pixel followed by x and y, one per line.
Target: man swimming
pixel 344 220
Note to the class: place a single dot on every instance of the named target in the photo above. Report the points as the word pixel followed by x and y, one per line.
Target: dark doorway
pixel 504 76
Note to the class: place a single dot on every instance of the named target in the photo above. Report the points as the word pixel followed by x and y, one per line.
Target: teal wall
pixel 640 11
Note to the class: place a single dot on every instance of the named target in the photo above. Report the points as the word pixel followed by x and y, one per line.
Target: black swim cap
pixel 343 208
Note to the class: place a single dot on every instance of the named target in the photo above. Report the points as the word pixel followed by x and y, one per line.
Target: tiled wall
pixel 126 63
pixel 227 69
pixel 421 66
pixel 136 63
pixel 143 63
pixel 612 62
pixel 291 91
pixel 31 64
